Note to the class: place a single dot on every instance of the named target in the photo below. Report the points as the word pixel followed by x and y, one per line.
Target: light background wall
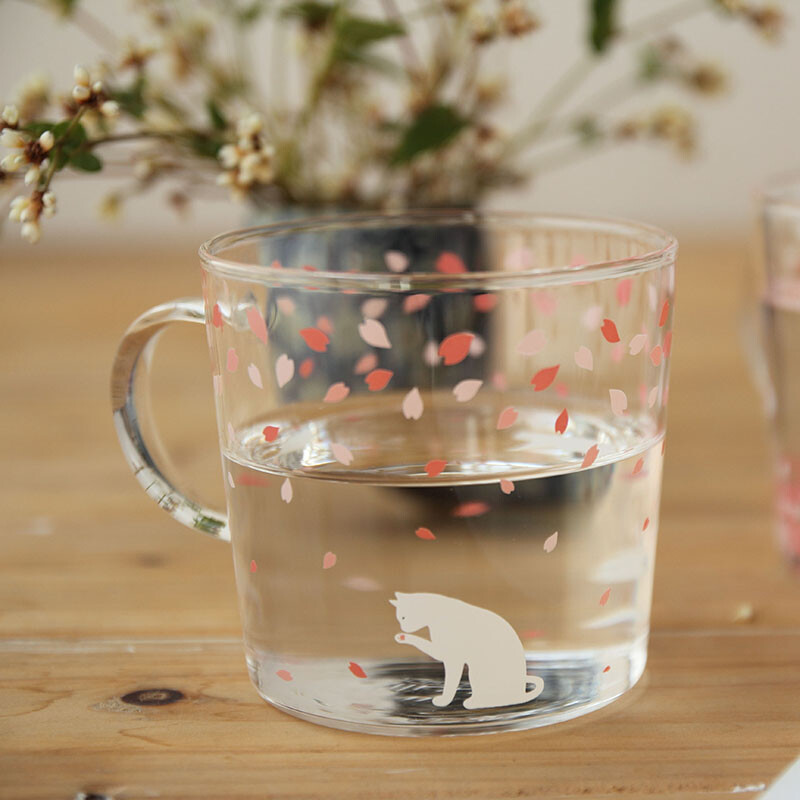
pixel 746 135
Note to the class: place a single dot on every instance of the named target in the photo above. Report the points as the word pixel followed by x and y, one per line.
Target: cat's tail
pixel 538 687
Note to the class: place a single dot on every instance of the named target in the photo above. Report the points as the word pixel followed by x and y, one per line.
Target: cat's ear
pixel 393 602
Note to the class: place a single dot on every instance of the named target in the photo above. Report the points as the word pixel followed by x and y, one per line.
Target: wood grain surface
pixel 102 595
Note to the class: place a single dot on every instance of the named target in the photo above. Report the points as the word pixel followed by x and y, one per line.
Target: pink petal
pixel 591 455
pixel 232 360
pixel 328 560
pixel 286 305
pixel 550 542
pixel 652 396
pixel 342 453
pixel 655 355
pixel 286 491
pixel 592 317
pixel 366 363
pixel 284 674
pixel 519 260
pixel 604 597
pixel 508 416
pixel 637 343
pixel 396 261
pixel 257 324
pixel 465 390
pixel 284 370
pixel 374 307
pixel 532 342
pixel 624 291
pixel 619 402
pixel 255 376
pixel 415 302
pixel 472 508
pixel 584 358
pixel 484 302
pixel 374 334
pixel 424 533
pixel 430 354
pixel 435 467
pixel 506 486
pixel 413 405
pixel 562 421
pixel 336 393
pixel 316 339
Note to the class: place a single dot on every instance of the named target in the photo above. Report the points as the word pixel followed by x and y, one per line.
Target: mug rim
pixel 663 253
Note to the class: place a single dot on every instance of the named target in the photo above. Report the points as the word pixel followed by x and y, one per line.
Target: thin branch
pixel 405 43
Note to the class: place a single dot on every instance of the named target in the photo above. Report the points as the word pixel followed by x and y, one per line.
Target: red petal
pixel 609 330
pixel 356 670
pixel 378 379
pixel 271 433
pixel 450 263
pixel 455 347
pixel 424 533
pixel 664 314
pixel 544 377
pixel 562 421
pixel 435 467
pixel 316 339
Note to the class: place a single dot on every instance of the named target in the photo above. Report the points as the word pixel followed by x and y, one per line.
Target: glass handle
pixel 138 341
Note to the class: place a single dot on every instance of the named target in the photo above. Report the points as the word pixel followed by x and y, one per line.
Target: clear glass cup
pixel 778 374
pixel 442 443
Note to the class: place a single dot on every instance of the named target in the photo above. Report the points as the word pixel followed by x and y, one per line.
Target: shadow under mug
pixel 442 443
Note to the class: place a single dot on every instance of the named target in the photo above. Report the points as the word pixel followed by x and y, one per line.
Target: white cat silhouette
pixel 465 634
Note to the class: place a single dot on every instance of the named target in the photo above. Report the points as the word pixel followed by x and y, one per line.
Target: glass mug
pixel 774 356
pixel 442 443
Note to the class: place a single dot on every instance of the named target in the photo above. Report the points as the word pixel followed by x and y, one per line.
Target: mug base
pixel 395 699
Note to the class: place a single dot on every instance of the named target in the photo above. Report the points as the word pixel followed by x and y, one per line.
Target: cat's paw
pixel 401 637
pixel 441 701
pixel 471 702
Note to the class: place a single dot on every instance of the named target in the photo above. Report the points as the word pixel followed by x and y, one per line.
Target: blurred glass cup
pixel 777 366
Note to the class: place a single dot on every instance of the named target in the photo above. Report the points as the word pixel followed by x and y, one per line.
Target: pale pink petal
pixel 532 342
pixel 342 453
pixel 584 358
pixel 362 583
pixel 254 374
pixel 396 261
pixel 284 369
pixel 286 305
pixel 325 325
pixel 591 456
pixel 499 381
pixel 592 317
pixel 550 542
pixel 506 486
pixel 619 402
pixel 336 393
pixel 413 405
pixel 624 288
pixel 604 597
pixel 230 480
pixel 329 560
pixel 374 334
pixel 286 491
pixel 652 397
pixel 637 343
pixel 617 352
pixel 545 301
pixel 465 390
pixel 520 259
pixel 231 360
pixel 430 354
pixel 374 307
pixel 284 674
pixel 477 346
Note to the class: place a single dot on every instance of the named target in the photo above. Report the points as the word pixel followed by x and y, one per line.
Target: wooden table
pixel 102 595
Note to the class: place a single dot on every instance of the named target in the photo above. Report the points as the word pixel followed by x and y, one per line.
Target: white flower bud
pixel 110 108
pixel 46 140
pixel 48 200
pixel 12 162
pixel 48 211
pixel 18 205
pixel 9 138
pixel 10 115
pixel 81 93
pixel 249 125
pixel 228 156
pixel 81 76
pixel 31 232
pixel 97 87
pixel 32 175
pixel 225 179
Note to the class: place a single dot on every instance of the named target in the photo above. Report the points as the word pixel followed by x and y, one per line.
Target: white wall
pixel 748 134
